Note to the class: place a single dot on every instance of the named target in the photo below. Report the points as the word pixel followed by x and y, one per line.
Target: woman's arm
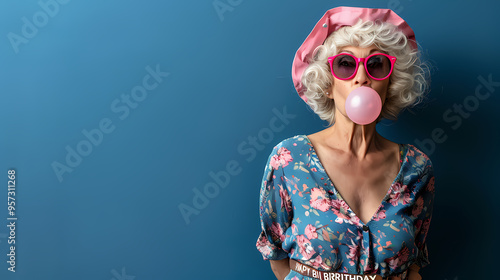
pixel 281 268
pixel 413 272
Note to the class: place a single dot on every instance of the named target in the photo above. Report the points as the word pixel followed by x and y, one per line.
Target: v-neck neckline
pixel 403 153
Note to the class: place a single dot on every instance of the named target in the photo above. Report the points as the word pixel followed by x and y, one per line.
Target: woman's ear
pixel 329 92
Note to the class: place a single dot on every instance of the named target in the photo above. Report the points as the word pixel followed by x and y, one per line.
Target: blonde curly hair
pixel 408 83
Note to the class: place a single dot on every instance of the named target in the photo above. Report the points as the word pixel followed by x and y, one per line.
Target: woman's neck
pixel 349 137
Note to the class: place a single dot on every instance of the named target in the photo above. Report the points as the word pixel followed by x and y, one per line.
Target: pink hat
pixel 332 21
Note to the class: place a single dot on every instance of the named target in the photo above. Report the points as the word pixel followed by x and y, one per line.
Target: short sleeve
pixel 423 211
pixel 275 206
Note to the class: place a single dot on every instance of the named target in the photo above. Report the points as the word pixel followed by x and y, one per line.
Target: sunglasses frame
pixel 363 60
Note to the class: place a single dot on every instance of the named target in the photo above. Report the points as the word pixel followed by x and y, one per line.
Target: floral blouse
pixel 303 216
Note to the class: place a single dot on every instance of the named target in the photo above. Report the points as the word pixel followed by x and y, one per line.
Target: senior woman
pixel 346 203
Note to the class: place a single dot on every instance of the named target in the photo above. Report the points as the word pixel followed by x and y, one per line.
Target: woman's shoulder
pixel 417 156
pixel 294 148
pixel 289 151
pixel 293 143
pixel 416 152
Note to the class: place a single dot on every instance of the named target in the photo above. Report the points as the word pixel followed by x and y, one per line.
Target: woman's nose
pixel 361 76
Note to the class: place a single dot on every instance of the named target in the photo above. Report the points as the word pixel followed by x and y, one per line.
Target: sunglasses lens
pixel 344 66
pixel 379 66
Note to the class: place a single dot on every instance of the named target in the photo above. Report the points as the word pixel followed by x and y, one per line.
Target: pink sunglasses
pixel 378 66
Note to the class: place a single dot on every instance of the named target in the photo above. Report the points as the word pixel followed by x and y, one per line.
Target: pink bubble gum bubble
pixel 363 105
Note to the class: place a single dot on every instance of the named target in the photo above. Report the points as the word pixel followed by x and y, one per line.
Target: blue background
pixel 116 215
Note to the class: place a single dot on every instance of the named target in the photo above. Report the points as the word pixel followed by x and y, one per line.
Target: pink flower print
pixel 319 200
pixel 344 206
pixel 355 220
pixel 399 259
pixel 295 230
pixel 395 198
pixel 393 263
pixel 263 245
pixel 339 220
pixel 400 194
pixel 317 193
pixel 282 158
pixel 277 232
pixel 430 185
pixel 380 216
pixel 353 254
pixel 340 207
pixel 295 278
pixel 320 204
pixel 314 169
pixel 305 247
pixel 311 232
pixel 285 200
pixel 404 254
pixel 419 205
pixel 318 262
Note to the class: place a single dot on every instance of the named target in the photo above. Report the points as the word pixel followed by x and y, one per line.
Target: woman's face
pixel 341 88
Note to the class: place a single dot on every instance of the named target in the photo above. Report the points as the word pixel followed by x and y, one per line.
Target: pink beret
pixel 332 21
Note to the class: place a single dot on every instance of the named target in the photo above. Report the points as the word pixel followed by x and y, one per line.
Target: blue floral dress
pixel 303 216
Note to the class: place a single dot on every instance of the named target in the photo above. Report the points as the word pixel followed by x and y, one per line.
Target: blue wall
pixel 115 113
